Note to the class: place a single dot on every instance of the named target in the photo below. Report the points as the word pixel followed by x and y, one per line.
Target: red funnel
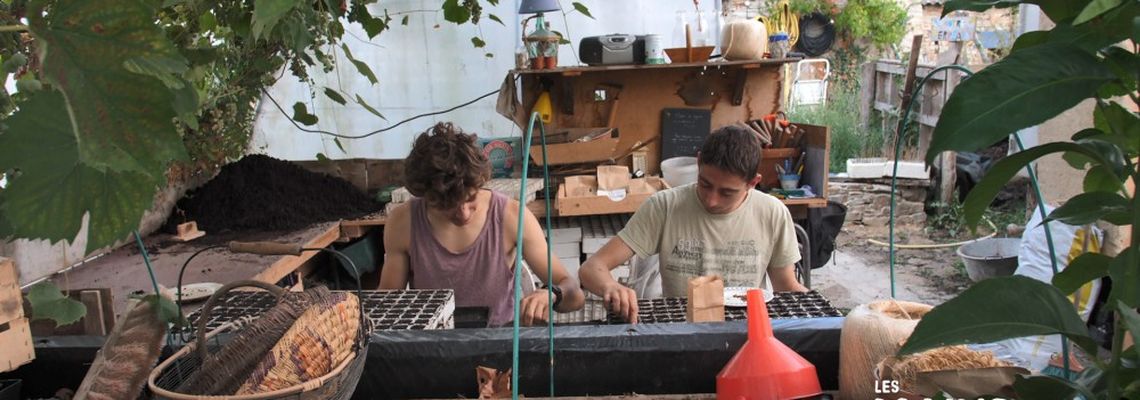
pixel 764 368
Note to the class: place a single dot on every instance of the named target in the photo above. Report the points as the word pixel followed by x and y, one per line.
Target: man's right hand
pixel 621 300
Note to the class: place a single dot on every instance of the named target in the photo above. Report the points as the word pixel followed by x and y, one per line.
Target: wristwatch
pixel 557 293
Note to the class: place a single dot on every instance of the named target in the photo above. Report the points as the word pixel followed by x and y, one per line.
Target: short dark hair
pixel 733 149
pixel 444 166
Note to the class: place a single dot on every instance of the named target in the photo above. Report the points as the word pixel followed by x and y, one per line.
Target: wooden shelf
pixel 579 70
pixel 814 202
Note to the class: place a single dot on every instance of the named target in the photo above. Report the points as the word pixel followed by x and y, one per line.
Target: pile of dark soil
pixel 263 193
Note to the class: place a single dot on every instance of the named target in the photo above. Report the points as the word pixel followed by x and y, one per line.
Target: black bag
pixel 825 224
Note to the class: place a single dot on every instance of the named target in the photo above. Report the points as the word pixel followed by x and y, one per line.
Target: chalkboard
pixel 683 131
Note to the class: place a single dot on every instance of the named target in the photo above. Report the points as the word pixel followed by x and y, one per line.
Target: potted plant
pixel 1046 73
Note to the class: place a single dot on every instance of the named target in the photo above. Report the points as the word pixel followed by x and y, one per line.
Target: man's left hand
pixel 535 308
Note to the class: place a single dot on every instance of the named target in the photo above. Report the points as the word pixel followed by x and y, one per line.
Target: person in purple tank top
pixel 457 235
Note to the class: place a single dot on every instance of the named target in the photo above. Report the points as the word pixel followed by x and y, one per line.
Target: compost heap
pixel 263 193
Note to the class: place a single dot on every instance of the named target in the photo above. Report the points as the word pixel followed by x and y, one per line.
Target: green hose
pixel 903 123
pixel 534 117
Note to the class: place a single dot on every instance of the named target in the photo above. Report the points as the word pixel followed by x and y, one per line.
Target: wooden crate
pixel 16 347
pixel 15 337
pixel 11 306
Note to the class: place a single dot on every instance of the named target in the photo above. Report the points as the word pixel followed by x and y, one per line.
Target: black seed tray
pixel 784 305
pixel 387 309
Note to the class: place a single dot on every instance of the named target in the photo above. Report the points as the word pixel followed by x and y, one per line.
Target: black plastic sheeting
pixel 592 360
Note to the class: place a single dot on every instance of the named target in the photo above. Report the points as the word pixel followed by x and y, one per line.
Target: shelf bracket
pixel 738 88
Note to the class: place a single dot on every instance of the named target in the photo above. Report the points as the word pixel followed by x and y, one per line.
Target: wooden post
pixel 866 93
pixel 948 162
pixel 908 85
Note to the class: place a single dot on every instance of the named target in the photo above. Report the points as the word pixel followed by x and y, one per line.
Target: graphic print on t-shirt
pixel 735 260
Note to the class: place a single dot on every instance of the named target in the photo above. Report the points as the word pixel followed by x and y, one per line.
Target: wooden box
pixel 568 203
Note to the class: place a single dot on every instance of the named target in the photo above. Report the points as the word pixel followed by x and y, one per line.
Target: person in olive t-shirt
pixel 719 225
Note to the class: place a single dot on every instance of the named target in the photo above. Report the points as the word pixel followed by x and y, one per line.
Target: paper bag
pixel 613 181
pixel 706 299
pixel 580 185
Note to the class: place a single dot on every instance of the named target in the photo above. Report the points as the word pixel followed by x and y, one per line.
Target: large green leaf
pixel 122 120
pixel 55 189
pixel 1024 89
pixel 1045 387
pixel 1100 179
pixel 1110 29
pixel 1125 273
pixel 1095 8
pixel 1123 64
pixel 1089 207
pixel 266 14
pixel 1057 10
pixel 983 194
pixel 1121 123
pixel 1132 322
pixel 1081 270
pixel 48 302
pixel 997 309
pixel 1030 39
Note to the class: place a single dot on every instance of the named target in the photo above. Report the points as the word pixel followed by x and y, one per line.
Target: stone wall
pixel 868 203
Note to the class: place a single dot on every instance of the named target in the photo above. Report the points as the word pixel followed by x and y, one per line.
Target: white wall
pixel 424 68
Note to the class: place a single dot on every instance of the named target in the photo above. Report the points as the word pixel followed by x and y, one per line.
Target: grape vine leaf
pixel 55 189
pixel 121 119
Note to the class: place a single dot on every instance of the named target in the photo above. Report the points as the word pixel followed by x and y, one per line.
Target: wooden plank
pixel 378 220
pixel 93 323
pixel 287 264
pixel 576 71
pixel 814 202
pixel 16 347
pixel 11 302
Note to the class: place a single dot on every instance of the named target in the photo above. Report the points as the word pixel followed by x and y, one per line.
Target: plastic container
pixel 654 49
pixel 778 45
pixel 789 181
pixel 990 258
pixel 679 171
pixel 765 368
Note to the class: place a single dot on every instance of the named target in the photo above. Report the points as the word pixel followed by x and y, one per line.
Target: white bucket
pixel 679 171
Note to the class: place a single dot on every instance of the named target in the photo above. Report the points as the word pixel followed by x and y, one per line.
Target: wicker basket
pixel 326 319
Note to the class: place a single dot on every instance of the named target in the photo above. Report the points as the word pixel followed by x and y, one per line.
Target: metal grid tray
pixel 784 305
pixel 415 309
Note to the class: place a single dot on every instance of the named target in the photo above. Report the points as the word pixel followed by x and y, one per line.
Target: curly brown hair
pixel 444 166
